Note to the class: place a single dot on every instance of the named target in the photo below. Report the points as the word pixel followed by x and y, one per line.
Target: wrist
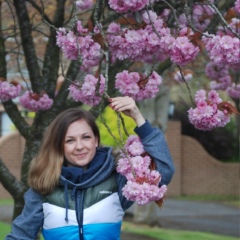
pixel 139 120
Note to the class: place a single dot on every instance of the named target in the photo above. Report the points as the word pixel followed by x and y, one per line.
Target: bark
pixel 27 43
pixel 15 187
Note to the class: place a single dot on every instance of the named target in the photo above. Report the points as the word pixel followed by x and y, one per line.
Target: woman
pixel 75 191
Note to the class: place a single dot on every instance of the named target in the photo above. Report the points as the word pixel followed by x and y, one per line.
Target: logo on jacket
pixel 105 192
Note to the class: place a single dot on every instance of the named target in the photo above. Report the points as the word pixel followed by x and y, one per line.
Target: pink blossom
pixel 233 25
pixel 234 91
pixel 123 166
pixel 149 17
pixel 213 96
pixel 200 96
pixel 182 20
pixel 83 5
pixel 136 148
pixel 226 42
pixel 222 83
pixel 81 46
pixel 237 6
pixel 123 6
pixel 142 183
pixel 9 91
pixel 206 115
pixel 183 51
pixel 216 71
pixel 201 16
pixel 222 49
pixel 136 86
pixel 86 93
pixel 143 193
pixel 38 103
pixel 139 45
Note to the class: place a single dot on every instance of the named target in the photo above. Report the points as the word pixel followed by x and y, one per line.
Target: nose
pixel 79 145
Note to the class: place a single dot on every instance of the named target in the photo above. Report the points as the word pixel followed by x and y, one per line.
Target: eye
pixel 86 137
pixel 69 140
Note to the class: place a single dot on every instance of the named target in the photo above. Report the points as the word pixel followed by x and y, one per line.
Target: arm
pixel 154 143
pixel 27 225
pixel 153 139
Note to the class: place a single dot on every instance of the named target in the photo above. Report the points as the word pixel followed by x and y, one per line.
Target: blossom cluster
pixel 138 86
pixel 237 6
pixel 89 92
pixel 123 6
pixel 207 116
pixel 79 45
pixel 220 76
pixel 222 49
pixel 201 17
pixel 83 5
pixel 35 102
pixel 234 91
pixel 233 25
pixel 142 184
pixel 183 51
pixel 9 91
pixel 149 44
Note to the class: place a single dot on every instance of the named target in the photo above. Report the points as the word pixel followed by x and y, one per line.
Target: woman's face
pixel 79 144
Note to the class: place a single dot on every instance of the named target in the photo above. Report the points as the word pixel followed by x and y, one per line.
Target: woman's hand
pixel 127 106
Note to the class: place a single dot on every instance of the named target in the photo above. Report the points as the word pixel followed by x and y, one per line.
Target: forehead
pixel 79 127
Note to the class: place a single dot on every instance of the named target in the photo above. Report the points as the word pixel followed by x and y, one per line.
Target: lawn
pixel 153 232
pixel 166 234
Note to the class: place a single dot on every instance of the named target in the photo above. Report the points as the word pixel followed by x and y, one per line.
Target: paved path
pixel 199 216
pixel 185 215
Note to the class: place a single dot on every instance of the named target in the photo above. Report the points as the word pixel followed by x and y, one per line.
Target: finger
pixel 124 106
pixel 120 102
pixel 122 99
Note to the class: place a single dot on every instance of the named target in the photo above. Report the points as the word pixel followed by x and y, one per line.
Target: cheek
pixel 67 149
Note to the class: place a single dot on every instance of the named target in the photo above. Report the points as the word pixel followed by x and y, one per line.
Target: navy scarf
pixel 79 174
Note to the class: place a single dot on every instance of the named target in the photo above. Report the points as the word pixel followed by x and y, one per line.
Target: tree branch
pixel 3 63
pixel 19 122
pixel 27 43
pixel 215 21
pixel 40 10
pixel 52 53
pixel 10 182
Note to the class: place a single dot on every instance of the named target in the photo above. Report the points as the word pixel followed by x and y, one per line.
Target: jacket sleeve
pixel 155 145
pixel 27 225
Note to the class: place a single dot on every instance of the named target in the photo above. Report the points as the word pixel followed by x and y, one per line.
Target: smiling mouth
pixel 81 155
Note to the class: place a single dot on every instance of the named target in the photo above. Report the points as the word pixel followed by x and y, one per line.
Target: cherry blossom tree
pixel 60 54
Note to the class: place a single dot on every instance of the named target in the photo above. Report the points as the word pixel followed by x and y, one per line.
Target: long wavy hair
pixel 45 168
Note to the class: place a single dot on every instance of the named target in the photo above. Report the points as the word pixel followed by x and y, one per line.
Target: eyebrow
pixel 86 133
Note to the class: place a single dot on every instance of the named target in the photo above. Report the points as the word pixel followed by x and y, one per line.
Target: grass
pixel 6 202
pixel 166 234
pixel 153 232
pixel 5 229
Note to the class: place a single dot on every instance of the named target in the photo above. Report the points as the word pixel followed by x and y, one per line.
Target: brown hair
pixel 45 169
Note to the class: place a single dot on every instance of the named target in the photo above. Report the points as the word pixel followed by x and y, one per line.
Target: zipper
pixel 79 200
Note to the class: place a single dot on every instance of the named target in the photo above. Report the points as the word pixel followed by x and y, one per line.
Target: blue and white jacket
pixel 88 205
